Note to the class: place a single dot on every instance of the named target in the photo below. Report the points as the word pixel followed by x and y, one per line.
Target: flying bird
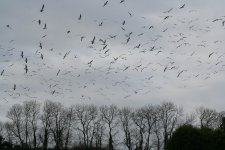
pixel 126 68
pixel 42 8
pixel 168 11
pixel 2 72
pixel 165 69
pixel 211 54
pixel 122 1
pixel 80 17
pixel 100 24
pixel 81 38
pixel 166 17
pixel 40 45
pixel 182 6
pixel 21 54
pixel 14 87
pixel 45 27
pixel 8 26
pixel 123 23
pixel 151 27
pixel 90 63
pixel 58 73
pixel 42 56
pixel 180 73
pixel 216 20
pixel 26 68
pixel 93 40
pixel 105 3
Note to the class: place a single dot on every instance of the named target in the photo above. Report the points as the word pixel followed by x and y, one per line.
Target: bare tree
pixel 149 113
pixel 86 116
pixel 109 115
pixel 45 120
pixel 33 108
pixel 157 131
pixel 70 118
pixel 57 123
pixel 139 120
pixel 15 114
pixel 209 118
pixel 8 132
pixel 125 115
pixel 99 132
pixel 169 116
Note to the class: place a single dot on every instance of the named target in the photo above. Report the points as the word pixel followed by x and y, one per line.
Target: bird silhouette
pixel 21 54
pixel 122 1
pixel 2 72
pixel 93 40
pixel 211 54
pixel 26 69
pixel 14 87
pixel 58 72
pixel 182 6
pixel 45 27
pixel 42 8
pixel 80 16
pixel 105 3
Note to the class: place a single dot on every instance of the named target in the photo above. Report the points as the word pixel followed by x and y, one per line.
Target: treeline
pixel 32 125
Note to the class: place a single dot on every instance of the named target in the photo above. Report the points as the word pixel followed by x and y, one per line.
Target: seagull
pixel 80 17
pixel 130 14
pixel 211 54
pixel 182 6
pixel 126 68
pixel 90 63
pixel 21 54
pixel 151 27
pixel 81 38
pixel 42 56
pixel 39 22
pixel 128 39
pixel 166 17
pixel 93 41
pixel 100 24
pixel 14 87
pixel 26 68
pixel 122 1
pixel 216 20
pixel 42 9
pixel 58 73
pixel 168 11
pixel 40 45
pixel 8 26
pixel 123 23
pixel 2 72
pixel 105 3
pixel 26 60
pixel 45 27
pixel 165 69
pixel 180 73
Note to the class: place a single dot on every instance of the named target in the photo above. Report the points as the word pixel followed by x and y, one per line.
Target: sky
pixel 128 53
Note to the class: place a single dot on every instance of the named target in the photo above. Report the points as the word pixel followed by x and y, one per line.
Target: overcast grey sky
pixel 145 51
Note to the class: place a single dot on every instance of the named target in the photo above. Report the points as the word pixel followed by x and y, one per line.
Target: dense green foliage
pixel 188 137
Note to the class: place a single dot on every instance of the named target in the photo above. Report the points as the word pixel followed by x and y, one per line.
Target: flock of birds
pixel 115 57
